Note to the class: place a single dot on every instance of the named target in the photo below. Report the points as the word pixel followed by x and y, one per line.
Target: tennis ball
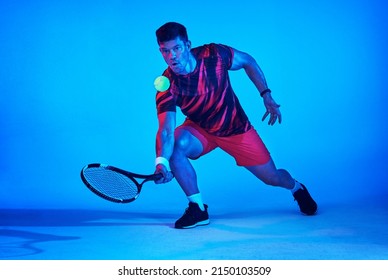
pixel 162 83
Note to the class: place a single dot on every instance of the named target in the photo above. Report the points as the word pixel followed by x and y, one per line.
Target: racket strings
pixel 111 184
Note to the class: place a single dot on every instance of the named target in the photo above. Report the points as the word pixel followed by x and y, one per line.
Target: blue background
pixel 76 85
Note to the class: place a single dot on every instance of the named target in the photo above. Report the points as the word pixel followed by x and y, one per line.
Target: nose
pixel 172 54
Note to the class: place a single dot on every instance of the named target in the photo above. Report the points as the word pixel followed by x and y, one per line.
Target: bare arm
pixel 249 64
pixel 165 142
pixel 245 61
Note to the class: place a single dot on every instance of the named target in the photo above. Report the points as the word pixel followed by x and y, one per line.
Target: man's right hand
pixel 167 175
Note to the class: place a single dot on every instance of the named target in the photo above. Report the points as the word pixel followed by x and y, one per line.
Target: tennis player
pixel 201 87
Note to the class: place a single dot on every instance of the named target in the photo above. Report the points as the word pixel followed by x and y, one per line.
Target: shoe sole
pixel 201 223
pixel 309 214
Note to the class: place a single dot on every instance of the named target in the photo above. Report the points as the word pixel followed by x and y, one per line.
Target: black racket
pixel 114 184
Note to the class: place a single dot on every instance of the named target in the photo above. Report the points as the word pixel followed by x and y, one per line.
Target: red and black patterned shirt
pixel 205 96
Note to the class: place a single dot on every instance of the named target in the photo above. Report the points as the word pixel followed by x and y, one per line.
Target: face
pixel 176 53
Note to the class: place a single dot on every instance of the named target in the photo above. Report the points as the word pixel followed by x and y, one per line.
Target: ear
pixel 188 44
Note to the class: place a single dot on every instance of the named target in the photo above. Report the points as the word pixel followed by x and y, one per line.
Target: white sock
pixel 297 186
pixel 197 198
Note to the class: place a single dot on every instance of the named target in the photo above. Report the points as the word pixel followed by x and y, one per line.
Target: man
pixel 200 86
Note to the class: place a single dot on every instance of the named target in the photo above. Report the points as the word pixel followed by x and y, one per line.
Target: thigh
pixel 247 148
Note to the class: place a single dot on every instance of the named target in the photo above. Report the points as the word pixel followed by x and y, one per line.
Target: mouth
pixel 176 67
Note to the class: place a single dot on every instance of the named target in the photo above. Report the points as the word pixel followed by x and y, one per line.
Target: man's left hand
pixel 272 110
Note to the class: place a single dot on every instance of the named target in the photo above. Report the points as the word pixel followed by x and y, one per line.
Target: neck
pixel 192 63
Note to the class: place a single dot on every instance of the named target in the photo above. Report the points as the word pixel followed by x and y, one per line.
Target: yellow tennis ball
pixel 162 83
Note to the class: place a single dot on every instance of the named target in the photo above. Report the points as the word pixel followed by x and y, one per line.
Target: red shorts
pixel 247 148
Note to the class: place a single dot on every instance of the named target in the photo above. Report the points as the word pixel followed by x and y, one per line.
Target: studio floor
pixel 351 231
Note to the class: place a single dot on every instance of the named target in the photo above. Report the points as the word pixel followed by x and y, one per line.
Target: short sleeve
pixel 165 102
pixel 226 53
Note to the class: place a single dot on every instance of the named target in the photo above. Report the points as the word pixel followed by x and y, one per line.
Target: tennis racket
pixel 114 184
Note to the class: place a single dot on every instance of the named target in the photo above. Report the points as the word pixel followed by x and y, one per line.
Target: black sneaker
pixel 193 217
pixel 306 203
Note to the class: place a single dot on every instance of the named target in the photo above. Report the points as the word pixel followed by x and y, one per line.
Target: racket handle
pixel 157 176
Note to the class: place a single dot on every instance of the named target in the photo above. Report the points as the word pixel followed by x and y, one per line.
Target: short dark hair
pixel 171 30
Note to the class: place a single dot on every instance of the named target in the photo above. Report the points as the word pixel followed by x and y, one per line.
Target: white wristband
pixel 162 160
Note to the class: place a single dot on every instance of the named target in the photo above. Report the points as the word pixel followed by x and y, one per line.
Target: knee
pixel 181 148
pixel 185 146
pixel 179 153
pixel 181 144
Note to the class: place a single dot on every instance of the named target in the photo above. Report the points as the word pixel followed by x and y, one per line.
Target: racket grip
pixel 157 176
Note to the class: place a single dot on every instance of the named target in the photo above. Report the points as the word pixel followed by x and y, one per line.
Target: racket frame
pixel 129 175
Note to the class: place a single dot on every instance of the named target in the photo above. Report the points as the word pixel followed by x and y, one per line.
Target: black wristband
pixel 265 91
